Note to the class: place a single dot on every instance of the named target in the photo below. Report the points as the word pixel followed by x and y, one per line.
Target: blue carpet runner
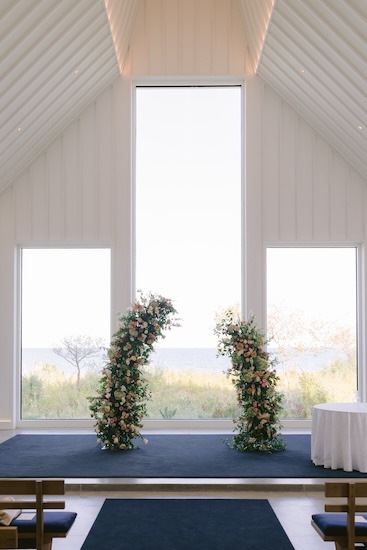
pixel 187 524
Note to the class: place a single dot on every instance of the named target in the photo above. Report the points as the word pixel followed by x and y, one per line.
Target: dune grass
pixel 47 393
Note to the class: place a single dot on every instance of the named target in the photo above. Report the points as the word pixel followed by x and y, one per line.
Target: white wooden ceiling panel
pixel 122 17
pixel 255 17
pixel 56 56
pixel 315 57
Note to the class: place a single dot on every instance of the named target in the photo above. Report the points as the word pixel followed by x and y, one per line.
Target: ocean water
pixel 190 359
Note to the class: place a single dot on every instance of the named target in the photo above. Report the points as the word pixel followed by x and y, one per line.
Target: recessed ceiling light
pixel 77 71
pixel 302 71
pixel 360 127
pixel 19 129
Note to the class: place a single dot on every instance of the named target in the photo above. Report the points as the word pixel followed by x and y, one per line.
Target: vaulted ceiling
pixel 57 56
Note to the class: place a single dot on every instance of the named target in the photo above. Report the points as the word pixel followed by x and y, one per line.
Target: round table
pixel 339 436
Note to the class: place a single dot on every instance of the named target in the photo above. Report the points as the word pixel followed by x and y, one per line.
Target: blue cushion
pixel 54 522
pixel 335 525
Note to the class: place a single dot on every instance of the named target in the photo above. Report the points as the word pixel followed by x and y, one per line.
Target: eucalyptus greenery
pixel 254 376
pixel 120 405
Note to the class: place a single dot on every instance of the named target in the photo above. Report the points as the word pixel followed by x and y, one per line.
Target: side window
pixel 65 322
pixel 311 309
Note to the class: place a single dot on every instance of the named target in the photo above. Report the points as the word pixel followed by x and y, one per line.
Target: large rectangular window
pixel 65 326
pixel 312 297
pixel 188 237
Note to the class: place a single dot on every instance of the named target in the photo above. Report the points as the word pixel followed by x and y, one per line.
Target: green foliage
pixel 255 379
pixel 194 395
pixel 123 391
pixel 332 384
pixel 167 412
pixel 48 394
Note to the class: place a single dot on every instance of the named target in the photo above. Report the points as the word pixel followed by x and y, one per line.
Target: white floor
pixel 293 504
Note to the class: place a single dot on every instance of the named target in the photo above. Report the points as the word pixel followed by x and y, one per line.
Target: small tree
pixel 255 379
pixel 79 352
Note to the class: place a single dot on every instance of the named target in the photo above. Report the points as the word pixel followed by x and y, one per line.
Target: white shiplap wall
pixel 188 37
pixel 79 191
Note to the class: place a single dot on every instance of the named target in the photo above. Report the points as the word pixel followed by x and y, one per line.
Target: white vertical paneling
pixel 310 194
pixel 138 46
pixel 287 174
pixel 304 187
pixel 154 31
pixel 171 44
pixel 39 204
pixel 321 190
pixel 338 199
pixel 22 208
pixel 56 192
pixel 271 143
pixel 106 163
pixel 88 161
pixel 73 210
pixel 187 33
pixel 220 36
pixel 188 37
pixel 237 44
pixel 356 190
pixel 204 40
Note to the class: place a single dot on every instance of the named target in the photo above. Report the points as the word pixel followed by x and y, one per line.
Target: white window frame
pixel 42 423
pixel 220 425
pixel 360 320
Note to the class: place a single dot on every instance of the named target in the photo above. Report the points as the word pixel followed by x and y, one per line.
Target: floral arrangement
pixel 121 404
pixel 255 378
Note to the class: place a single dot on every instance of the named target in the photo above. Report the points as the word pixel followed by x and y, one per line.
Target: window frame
pixel 44 423
pixel 361 344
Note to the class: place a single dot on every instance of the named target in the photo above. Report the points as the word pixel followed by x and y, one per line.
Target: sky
pixel 188 204
pixel 65 292
pixel 319 281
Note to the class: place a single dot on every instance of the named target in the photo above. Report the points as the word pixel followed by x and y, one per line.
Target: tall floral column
pixel 255 379
pixel 120 405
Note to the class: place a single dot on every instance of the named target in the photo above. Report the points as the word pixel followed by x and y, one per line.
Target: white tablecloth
pixel 339 436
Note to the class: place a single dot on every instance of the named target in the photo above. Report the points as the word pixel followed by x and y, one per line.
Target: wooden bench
pixel 8 537
pixel 44 525
pixel 341 524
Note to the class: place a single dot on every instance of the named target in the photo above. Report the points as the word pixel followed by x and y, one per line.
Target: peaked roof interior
pixel 57 56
